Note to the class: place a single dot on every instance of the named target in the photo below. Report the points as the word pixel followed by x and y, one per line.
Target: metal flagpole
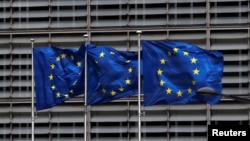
pixel 32 93
pixel 139 84
pixel 85 89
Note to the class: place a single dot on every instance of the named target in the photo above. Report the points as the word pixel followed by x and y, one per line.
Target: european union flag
pixel 174 71
pixel 112 74
pixel 58 75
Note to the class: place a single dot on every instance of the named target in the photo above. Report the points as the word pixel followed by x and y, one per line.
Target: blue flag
pixel 58 75
pixel 174 71
pixel 112 74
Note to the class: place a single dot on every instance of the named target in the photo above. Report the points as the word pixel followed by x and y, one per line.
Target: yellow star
pixel 112 53
pixel 79 73
pixel 121 89
pixel 162 83
pixel 52 66
pixel 193 82
pixel 102 54
pixel 79 64
pixel 159 72
pixel 196 71
pixel 168 91
pixel 113 93
pixel 193 60
pixel 128 61
pixel 176 50
pixel 66 95
pixel 185 53
pixel 74 83
pixel 71 91
pixel 128 81
pixel 169 53
pixel 58 58
pixel 104 91
pixel 179 93
pixel 58 94
pixel 72 57
pixel 53 87
pixel 63 55
pixel 163 61
pixel 130 70
pixel 189 90
pixel 51 77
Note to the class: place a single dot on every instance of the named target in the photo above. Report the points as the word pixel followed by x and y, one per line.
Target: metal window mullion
pixel 50 127
pixel 240 73
pixel 58 15
pixel 208 13
pixel 120 11
pixel 11 121
pixel 208 41
pixel 240 13
pixel 128 121
pixel 192 13
pixel 58 133
pixel 27 13
pixel 74 130
pixel 144 20
pixel 208 117
pixel 88 123
pixel 73 14
pixel 167 14
pixel 176 14
pixel 128 15
pixel 168 123
pixel 128 42
pixel 49 39
pixel 49 15
pixel 11 14
pixel 88 17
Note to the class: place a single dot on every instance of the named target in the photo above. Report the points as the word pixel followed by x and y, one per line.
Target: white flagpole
pixel 85 89
pixel 139 84
pixel 32 93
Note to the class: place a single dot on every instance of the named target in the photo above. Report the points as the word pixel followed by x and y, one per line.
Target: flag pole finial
pixel 138 31
pixel 32 40
pixel 86 37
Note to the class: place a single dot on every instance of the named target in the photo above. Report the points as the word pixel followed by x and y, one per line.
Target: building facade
pixel 214 25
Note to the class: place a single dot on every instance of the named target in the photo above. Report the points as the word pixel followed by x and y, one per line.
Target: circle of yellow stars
pixel 52 75
pixel 160 72
pixel 127 81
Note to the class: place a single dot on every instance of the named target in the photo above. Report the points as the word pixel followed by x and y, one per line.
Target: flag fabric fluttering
pixel 174 71
pixel 112 74
pixel 58 75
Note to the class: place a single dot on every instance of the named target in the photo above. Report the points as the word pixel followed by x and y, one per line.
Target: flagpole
pixel 85 89
pixel 139 84
pixel 32 93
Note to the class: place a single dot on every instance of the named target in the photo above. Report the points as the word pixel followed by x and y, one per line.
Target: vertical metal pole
pixel 32 93
pixel 139 84
pixel 85 88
